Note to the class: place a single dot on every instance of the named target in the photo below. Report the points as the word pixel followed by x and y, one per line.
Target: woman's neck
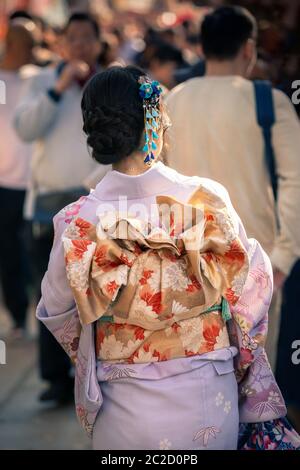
pixel 132 165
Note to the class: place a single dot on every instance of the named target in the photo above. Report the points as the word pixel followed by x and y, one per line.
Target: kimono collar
pixel 150 183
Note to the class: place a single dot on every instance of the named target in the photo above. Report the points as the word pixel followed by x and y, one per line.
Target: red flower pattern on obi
pixel 194 285
pixel 125 260
pixel 139 333
pixel 102 259
pixel 231 297
pixel 189 353
pixel 235 254
pixel 111 288
pixel 153 301
pixel 160 356
pixel 209 217
pixel 210 334
pixel 80 247
pixel 146 275
pixel 83 226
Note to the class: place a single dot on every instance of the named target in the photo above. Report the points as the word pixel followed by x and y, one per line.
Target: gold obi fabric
pixel 155 292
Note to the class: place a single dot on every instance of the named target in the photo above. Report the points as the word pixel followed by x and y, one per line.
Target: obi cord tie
pixel 223 307
pixel 150 92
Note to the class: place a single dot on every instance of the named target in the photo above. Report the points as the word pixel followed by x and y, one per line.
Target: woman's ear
pixel 159 144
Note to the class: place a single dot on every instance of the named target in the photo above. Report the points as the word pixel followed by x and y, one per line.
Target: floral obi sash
pixel 157 291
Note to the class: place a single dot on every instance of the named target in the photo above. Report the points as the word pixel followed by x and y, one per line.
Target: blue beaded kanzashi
pixel 150 92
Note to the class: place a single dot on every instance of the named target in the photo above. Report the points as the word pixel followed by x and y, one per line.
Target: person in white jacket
pixel 49 115
pixel 14 175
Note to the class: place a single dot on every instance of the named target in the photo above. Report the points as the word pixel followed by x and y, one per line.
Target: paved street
pixel 24 422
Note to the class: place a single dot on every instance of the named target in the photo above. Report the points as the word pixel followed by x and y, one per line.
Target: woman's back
pixel 152 287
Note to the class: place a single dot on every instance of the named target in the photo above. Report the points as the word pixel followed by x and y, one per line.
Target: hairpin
pixel 150 92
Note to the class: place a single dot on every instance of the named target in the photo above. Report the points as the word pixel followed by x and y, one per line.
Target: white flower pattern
pixel 77 271
pixel 219 399
pixel 178 308
pixel 165 444
pixel 144 356
pixel 190 333
pixel 273 397
pixel 112 349
pixel 175 277
pixel 222 338
pixel 227 406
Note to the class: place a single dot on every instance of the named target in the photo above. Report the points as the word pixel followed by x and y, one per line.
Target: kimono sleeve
pixel 259 396
pixel 57 308
pixel 263 425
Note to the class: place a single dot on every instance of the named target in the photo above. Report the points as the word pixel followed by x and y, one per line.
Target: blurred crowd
pixel 40 52
pixel 163 35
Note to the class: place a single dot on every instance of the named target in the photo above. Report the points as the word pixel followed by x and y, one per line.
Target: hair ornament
pixel 150 92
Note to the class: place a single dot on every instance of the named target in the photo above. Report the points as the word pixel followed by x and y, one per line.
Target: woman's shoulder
pixel 202 189
pixel 84 207
pixel 194 182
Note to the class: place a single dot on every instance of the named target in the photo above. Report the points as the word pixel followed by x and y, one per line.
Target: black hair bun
pixel 113 133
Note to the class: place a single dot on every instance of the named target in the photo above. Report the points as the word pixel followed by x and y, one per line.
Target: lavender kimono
pixel 261 406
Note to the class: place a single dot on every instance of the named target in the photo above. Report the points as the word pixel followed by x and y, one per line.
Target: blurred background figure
pixel 163 63
pixel 14 175
pixel 215 134
pixel 49 115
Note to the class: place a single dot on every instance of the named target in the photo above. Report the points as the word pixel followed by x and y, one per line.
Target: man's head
pixel 165 60
pixel 228 34
pixel 17 14
pixel 82 38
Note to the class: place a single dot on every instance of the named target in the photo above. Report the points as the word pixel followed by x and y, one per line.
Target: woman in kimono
pixel 157 294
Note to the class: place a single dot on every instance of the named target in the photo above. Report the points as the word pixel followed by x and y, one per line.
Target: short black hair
pixel 225 30
pixel 16 14
pixel 165 52
pixel 84 16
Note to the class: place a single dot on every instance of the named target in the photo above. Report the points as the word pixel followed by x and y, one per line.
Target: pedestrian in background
pixel 49 115
pixel 215 133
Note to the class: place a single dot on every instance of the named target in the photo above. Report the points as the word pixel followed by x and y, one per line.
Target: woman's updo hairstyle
pixel 113 115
